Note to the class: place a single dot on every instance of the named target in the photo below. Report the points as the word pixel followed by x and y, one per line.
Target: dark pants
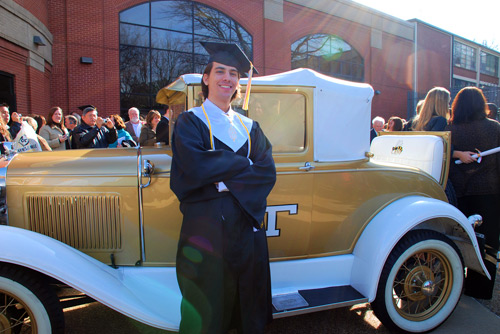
pixel 222 270
pixel 488 206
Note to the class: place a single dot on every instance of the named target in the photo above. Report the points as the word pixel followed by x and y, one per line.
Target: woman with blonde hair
pixel 148 131
pixel 54 132
pixel 434 113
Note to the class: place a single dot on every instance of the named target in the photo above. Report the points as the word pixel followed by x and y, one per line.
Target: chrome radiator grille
pixel 82 221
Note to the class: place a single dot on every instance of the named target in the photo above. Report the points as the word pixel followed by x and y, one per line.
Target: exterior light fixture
pixel 38 40
pixel 86 60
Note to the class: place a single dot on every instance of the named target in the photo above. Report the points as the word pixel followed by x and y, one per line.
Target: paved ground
pixel 469 317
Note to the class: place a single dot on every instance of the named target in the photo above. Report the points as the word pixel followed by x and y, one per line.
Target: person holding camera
pixel 94 132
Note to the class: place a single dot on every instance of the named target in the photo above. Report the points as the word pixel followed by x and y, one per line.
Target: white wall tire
pixel 421 283
pixel 27 305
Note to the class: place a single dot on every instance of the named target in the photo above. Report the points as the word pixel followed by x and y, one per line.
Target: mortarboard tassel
pixel 249 86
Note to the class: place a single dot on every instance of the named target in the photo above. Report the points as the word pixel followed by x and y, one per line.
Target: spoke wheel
pixel 421 283
pixel 15 316
pixel 27 304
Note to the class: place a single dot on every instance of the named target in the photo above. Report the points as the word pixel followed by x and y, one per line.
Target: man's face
pixel 4 112
pixel 90 118
pixel 68 124
pixel 222 81
pixel 133 114
pixel 378 126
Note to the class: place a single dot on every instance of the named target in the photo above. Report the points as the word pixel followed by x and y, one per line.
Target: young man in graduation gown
pixel 222 172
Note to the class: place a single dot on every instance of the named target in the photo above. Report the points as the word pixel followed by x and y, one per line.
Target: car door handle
pixel 307 167
pixel 148 170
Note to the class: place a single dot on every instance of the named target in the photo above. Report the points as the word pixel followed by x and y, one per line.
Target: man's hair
pixel 72 119
pixel 204 88
pixel 134 109
pixel 87 110
pixel 4 105
pixel 378 119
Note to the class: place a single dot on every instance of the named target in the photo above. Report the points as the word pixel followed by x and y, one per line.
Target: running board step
pixel 307 301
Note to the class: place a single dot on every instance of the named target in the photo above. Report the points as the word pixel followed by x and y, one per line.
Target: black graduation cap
pixel 228 54
pixel 82 108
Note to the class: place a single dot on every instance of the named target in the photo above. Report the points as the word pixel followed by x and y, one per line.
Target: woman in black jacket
pixel 477 185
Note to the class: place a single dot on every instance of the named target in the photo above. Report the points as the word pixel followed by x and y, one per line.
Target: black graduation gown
pixel 222 263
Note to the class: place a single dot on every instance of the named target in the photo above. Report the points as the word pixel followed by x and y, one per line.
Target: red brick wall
pixel 38 8
pixel 91 29
pixel 464 73
pixel 434 54
pixel 489 79
pixel 31 86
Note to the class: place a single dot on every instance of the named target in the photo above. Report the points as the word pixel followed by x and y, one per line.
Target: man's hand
pixel 110 123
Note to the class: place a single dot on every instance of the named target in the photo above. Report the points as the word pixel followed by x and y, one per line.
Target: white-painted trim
pixel 386 229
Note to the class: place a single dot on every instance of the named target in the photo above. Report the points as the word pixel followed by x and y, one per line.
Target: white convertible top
pixel 342 110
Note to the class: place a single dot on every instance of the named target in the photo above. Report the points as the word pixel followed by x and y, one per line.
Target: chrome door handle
pixel 147 171
pixel 307 167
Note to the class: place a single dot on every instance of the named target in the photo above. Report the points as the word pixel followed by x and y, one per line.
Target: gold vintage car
pixel 346 223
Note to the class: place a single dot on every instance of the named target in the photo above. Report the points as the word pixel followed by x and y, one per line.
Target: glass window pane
pixel 166 66
pixel 134 35
pixel 211 23
pixel 170 40
pixel 154 54
pixel 134 70
pixel 174 15
pixel 328 54
pixel 282 118
pixel 142 102
pixel 319 45
pixel 138 15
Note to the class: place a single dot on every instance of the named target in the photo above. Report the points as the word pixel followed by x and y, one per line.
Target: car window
pixel 282 118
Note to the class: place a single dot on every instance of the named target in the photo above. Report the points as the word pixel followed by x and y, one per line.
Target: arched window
pixel 159 42
pixel 328 54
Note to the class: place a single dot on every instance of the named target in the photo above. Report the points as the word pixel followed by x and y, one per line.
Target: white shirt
pixel 226 126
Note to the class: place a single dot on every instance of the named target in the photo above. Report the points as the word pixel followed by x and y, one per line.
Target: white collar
pixel 226 126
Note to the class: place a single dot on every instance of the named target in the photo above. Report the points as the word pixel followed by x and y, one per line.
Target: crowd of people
pixel 474 183
pixel 88 129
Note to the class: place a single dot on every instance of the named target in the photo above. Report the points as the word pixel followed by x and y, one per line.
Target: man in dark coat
pixel 91 133
pixel 162 130
pixel 222 172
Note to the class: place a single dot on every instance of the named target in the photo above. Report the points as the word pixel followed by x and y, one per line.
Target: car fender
pixel 149 295
pixel 389 225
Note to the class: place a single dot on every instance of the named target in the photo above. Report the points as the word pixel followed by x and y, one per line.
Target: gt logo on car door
pixel 272 217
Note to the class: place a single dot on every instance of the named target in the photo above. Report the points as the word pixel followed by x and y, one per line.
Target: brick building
pixel 118 53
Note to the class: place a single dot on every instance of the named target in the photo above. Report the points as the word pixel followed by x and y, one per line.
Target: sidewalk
pixel 470 317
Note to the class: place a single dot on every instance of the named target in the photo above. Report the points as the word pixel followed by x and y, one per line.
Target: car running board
pixel 307 301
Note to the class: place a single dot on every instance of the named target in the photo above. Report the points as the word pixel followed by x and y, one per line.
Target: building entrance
pixel 7 90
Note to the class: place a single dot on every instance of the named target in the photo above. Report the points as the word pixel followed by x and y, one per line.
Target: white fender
pixel 388 227
pixel 148 295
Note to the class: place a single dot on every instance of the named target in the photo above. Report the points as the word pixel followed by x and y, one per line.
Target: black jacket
pixel 85 136
pixel 162 134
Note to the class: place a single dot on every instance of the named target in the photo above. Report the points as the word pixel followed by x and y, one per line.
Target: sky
pixel 477 20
